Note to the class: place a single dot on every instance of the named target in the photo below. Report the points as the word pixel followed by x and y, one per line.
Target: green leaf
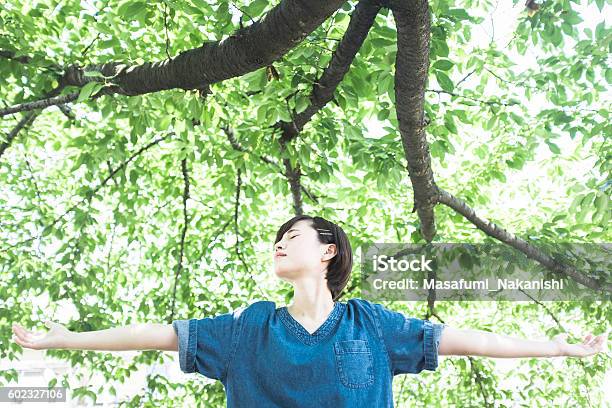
pixel 553 147
pixel 449 123
pixel 96 74
pixel 301 103
pixel 132 10
pixel 460 14
pixel 256 80
pixel 571 17
pixel 556 38
pixel 443 65
pixel 256 7
pixel 602 203
pixel 444 81
pixel 440 48
pixel 262 112
pixel 87 90
pixel 283 114
pixel 383 114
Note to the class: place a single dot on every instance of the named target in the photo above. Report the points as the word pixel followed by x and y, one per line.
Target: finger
pixel 17 328
pixel 24 343
pixel 23 334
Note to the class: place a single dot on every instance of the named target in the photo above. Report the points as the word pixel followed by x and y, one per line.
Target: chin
pixel 282 273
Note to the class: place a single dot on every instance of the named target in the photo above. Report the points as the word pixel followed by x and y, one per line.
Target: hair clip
pixel 328 232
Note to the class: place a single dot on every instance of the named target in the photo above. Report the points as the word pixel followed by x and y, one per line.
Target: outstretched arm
pixel 465 342
pixel 143 336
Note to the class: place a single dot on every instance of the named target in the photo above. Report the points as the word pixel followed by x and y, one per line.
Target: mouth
pixel 279 255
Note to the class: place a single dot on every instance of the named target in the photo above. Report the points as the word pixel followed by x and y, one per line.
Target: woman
pixel 317 351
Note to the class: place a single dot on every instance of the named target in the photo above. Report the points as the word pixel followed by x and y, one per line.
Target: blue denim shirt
pixel 265 358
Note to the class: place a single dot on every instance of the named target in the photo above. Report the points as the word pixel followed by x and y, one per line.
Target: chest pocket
pixel 354 363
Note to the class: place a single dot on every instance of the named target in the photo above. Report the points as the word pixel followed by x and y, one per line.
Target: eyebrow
pixel 293 229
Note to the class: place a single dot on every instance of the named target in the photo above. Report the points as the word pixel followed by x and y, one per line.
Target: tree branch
pixel 439 91
pixel 24 59
pixel 27 119
pixel 40 104
pixel 91 193
pixel 529 250
pixel 179 267
pixel 247 50
pixel 293 176
pixel 237 231
pixel 412 63
pixel 237 146
pixel 323 89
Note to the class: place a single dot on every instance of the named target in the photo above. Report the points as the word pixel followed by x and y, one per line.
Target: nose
pixel 278 246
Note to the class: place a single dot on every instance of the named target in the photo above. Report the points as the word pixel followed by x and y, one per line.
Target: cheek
pixel 306 255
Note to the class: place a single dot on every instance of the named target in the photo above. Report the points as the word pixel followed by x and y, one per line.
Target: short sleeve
pixel 207 345
pixel 412 344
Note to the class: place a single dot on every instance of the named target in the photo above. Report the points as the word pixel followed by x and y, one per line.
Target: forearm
pixel 142 336
pixel 464 342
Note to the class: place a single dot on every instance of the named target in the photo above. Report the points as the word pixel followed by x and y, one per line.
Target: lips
pixel 279 254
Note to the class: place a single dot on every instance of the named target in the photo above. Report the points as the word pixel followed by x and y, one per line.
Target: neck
pixel 311 300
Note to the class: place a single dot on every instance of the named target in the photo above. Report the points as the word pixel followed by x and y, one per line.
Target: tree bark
pixel 247 50
pixel 411 66
pixel 323 90
pixel 520 244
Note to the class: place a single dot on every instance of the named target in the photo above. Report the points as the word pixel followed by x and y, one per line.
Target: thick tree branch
pixel 520 244
pixel 323 90
pixel 247 50
pixel 412 63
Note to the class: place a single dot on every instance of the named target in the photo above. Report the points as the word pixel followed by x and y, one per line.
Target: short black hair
pixel 341 265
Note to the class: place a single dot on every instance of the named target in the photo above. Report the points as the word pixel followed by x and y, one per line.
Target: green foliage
pixel 122 241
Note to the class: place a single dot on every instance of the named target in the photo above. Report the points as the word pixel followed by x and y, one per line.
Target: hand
pixel 54 338
pixel 591 345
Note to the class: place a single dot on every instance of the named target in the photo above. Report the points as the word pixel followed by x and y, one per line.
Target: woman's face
pixel 304 254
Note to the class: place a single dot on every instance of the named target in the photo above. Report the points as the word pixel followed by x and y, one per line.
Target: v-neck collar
pixel 321 333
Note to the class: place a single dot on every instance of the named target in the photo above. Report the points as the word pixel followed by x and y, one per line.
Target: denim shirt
pixel 265 358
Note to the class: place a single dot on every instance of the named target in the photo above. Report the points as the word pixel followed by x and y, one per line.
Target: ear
pixel 330 252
